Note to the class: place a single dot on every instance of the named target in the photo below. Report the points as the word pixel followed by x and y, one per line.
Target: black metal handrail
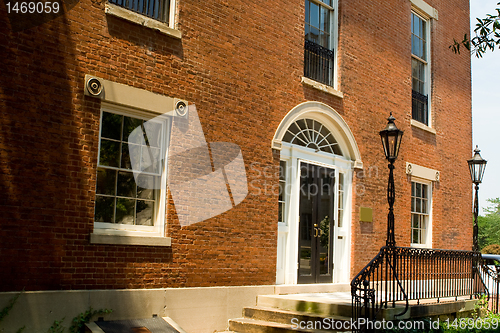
pixel 318 63
pixel 400 274
pixel 419 107
pixel 490 277
pixel 155 9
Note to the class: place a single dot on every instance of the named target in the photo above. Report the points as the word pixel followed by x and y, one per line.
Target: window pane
pixel 104 209
pixel 314 35
pixel 125 162
pixel 281 212
pixel 150 159
pixel 307 13
pixel 282 170
pixel 111 126
pixel 145 210
pixel 126 185
pixel 414 236
pixel 109 155
pixel 106 181
pixel 414 221
pixel 324 40
pixel 130 124
pixel 314 15
pixel 153 133
pixel 418 207
pixel 146 186
pixel 125 211
pixel 325 20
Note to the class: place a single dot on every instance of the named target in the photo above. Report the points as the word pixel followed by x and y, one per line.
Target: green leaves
pixel 489 225
pixel 487 36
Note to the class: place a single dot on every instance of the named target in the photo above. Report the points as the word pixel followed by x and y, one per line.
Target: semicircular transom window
pixel 312 134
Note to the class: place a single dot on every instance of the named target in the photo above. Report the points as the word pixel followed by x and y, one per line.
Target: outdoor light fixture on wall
pixel 391 140
pixel 476 167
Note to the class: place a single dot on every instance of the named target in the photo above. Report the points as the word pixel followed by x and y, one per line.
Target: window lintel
pixel 424 9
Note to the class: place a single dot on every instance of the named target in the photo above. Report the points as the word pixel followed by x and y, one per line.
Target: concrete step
pixel 295 317
pixel 247 325
pixel 309 303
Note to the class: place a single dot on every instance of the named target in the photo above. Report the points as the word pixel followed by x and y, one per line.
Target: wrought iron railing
pixel 490 276
pixel 155 9
pixel 400 274
pixel 318 63
pixel 419 107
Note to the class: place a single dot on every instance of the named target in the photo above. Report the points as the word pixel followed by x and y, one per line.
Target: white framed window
pixel 282 192
pixel 420 67
pixel 421 231
pixel 320 41
pixel 341 196
pixel 159 10
pixel 128 202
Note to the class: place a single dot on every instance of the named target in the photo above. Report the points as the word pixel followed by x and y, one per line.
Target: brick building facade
pixel 254 83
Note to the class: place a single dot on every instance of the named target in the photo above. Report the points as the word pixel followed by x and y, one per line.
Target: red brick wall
pixel 241 63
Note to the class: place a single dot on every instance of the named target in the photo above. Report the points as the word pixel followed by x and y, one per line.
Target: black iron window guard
pixel 318 63
pixel 419 107
pixel 399 274
pixel 156 9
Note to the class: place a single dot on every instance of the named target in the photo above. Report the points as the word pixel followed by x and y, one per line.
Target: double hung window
pixel 126 199
pixel 420 68
pixel 319 53
pixel 420 212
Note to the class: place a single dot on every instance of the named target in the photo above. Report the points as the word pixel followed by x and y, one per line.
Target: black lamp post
pixel 476 168
pixel 391 140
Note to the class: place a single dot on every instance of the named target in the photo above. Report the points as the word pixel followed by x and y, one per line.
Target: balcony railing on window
pixel 155 9
pixel 318 63
pixel 420 107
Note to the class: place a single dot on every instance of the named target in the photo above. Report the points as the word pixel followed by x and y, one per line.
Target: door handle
pixel 316 230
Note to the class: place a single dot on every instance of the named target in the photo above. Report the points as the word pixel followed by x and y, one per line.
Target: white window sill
pixel 421 246
pixel 424 127
pixel 98 238
pixel 320 86
pixel 147 22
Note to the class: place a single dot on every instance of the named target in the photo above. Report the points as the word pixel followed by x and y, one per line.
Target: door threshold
pixel 282 289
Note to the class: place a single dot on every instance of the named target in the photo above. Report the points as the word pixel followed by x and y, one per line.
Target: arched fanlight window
pixel 312 134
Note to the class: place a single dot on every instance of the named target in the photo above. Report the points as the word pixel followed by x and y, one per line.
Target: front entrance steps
pixel 293 313
pixel 321 312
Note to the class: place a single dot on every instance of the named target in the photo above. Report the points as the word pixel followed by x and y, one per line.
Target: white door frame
pixel 288 232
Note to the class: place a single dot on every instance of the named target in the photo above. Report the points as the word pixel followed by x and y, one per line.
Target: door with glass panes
pixel 316 223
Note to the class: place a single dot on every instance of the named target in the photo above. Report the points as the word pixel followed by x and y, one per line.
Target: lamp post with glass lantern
pixel 476 167
pixel 391 140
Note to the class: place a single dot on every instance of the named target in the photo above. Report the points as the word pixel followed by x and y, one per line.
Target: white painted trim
pixel 422 126
pixel 422 172
pixel 128 15
pixel 128 96
pixel 424 9
pixel 97 238
pixel 328 117
pixel 320 86
pixel 294 155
